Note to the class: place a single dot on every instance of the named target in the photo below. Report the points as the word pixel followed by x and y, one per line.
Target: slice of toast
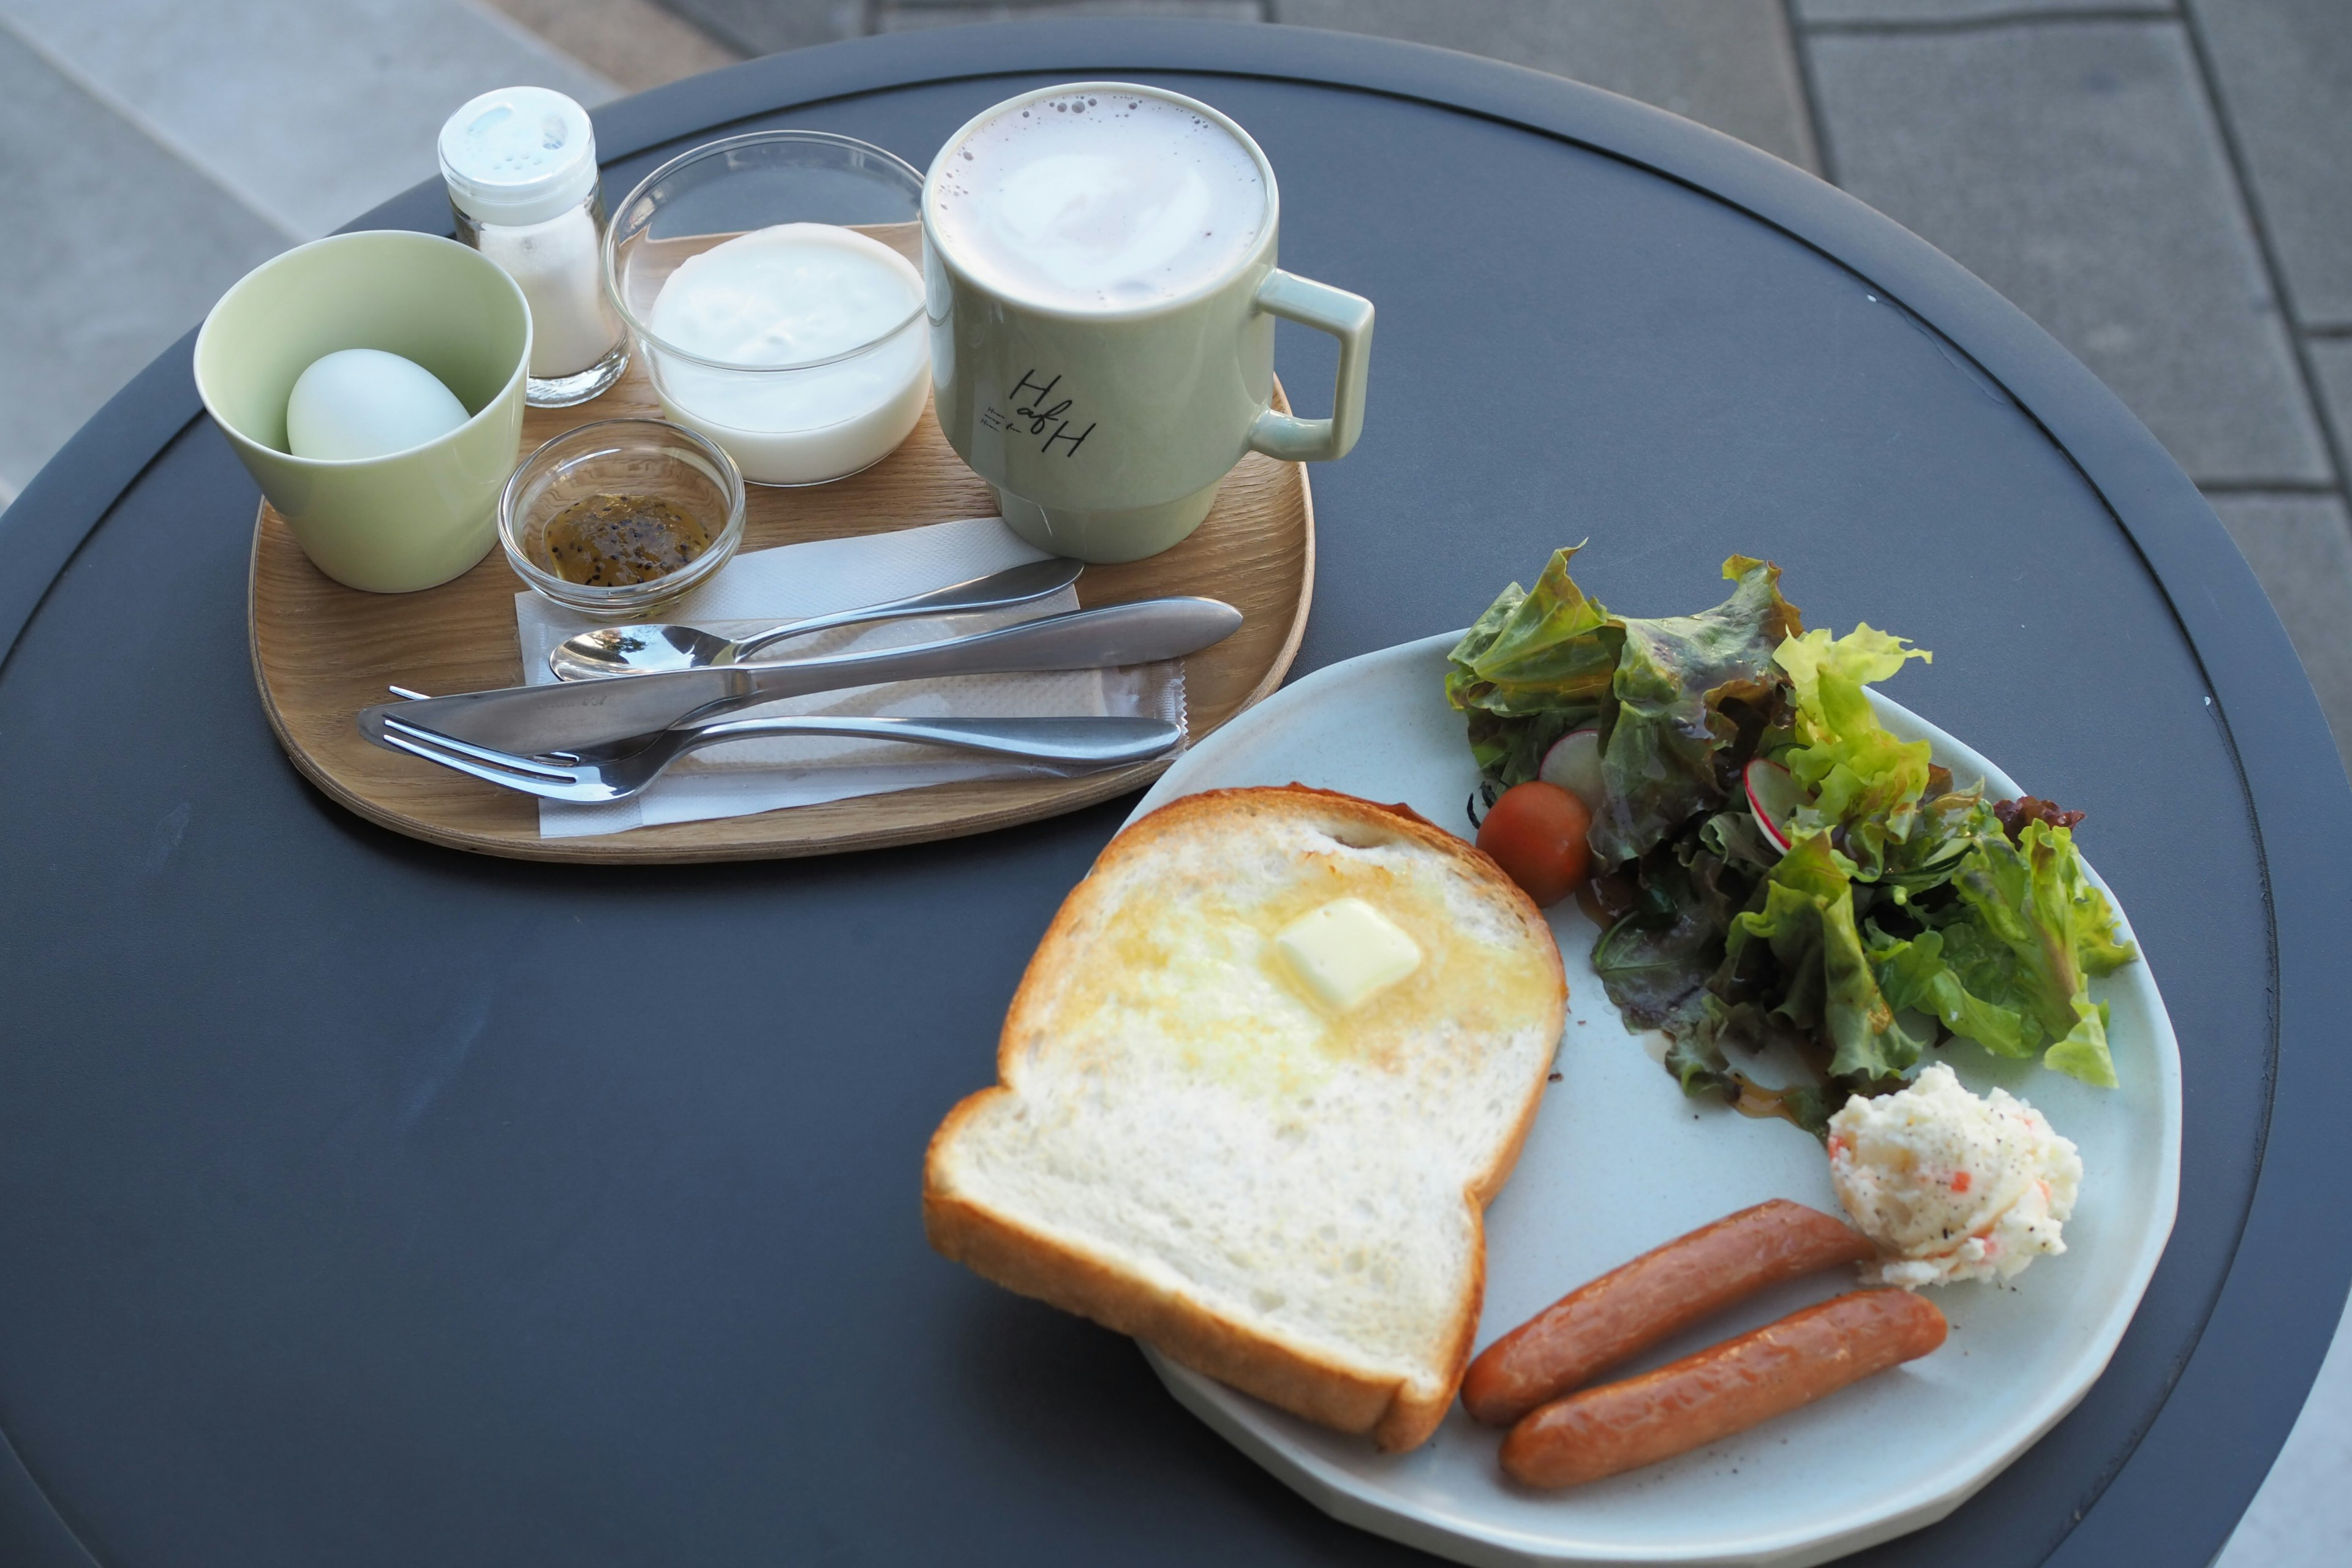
pixel 1188 1146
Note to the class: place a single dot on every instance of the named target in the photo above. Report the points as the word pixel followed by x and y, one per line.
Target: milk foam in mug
pixel 1099 268
pixel 1082 208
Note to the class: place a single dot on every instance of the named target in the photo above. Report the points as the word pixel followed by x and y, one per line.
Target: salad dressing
pixel 1765 1104
pixel 619 541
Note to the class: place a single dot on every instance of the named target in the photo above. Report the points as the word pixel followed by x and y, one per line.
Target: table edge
pixel 2255 1371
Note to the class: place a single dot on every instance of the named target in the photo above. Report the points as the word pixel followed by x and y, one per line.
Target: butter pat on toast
pixel 1193 1143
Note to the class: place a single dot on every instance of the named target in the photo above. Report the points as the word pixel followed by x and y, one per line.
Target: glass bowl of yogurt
pixel 773 285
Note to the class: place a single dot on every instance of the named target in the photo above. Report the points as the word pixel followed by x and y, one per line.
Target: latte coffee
pixel 1098 200
pixel 1100 281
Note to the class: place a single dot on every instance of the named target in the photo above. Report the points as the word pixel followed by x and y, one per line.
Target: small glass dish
pixel 620 458
pixel 829 389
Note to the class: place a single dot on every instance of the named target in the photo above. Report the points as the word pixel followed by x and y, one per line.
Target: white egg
pixel 364 403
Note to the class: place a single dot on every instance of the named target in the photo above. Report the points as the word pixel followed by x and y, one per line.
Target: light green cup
pixel 414 518
pixel 1106 432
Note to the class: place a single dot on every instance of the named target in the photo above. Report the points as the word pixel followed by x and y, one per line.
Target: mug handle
pixel 1347 316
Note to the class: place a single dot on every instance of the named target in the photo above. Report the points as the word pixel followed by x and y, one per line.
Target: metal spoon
pixel 639 650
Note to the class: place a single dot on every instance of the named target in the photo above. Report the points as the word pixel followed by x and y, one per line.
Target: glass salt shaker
pixel 521 164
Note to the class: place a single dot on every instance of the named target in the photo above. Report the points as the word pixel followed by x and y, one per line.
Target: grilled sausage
pixel 1723 1389
pixel 1628 1309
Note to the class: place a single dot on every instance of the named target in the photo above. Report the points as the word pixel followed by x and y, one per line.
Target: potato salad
pixel 1950 1187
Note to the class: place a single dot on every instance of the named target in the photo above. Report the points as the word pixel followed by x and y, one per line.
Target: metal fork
pixel 1077 745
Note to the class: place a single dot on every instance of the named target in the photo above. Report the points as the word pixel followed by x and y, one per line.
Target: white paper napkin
pixel 765 586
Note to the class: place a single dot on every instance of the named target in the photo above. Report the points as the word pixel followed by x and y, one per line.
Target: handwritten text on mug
pixel 1035 405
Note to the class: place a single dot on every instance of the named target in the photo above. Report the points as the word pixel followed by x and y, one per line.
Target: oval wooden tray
pixel 322 652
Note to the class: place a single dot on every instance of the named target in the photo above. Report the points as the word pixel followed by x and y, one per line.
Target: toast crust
pixel 1064 1271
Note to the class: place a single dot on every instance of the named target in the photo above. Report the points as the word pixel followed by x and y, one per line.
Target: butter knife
pixel 531 721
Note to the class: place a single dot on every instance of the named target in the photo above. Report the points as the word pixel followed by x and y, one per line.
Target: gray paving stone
pixel 2332 358
pixel 119 248
pixel 2301 549
pixel 912 14
pixel 2077 168
pixel 314 111
pixel 634 44
pixel 2286 72
pixel 1810 11
pixel 766 26
pixel 2300 1519
pixel 1725 63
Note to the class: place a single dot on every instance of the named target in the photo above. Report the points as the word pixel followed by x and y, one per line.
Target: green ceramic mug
pixel 414 519
pixel 1106 407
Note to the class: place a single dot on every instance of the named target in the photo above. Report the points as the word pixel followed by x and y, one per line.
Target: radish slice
pixel 1774 796
pixel 1574 765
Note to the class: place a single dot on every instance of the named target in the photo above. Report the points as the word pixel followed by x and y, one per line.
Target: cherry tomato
pixel 1537 835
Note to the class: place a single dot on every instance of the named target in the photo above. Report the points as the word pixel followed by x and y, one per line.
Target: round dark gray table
pixel 366 1202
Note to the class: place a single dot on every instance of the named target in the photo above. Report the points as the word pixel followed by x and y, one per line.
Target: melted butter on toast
pixel 1197 974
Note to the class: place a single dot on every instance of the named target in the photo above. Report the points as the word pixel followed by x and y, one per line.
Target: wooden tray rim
pixel 612 850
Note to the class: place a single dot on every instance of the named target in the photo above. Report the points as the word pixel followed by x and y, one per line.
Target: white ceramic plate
pixel 1619 1161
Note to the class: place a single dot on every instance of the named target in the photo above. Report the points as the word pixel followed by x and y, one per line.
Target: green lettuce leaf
pixel 1808 921
pixel 1866 783
pixel 1696 1061
pixel 1656 962
pixel 2028 932
pixel 1510 750
pixel 1700 1062
pixel 1914 975
pixel 1684 687
pixel 1902 896
pixel 1699 1057
pixel 1943 829
pixel 1734 836
pixel 1534 666
pixel 1536 652
pixel 2097 944
pixel 1682 699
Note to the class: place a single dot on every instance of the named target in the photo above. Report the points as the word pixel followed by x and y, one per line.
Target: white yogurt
pixel 790 295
